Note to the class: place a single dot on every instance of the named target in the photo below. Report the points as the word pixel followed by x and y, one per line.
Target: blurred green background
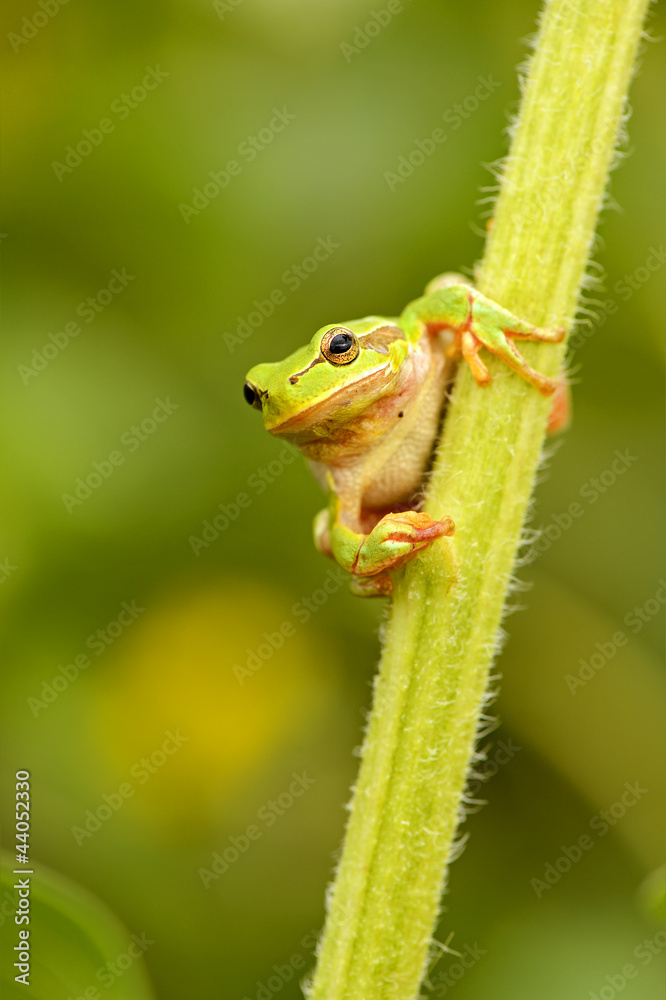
pixel 136 530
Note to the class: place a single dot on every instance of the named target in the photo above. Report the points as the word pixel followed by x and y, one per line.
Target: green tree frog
pixel 363 400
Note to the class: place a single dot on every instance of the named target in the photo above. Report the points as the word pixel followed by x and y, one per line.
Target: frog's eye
pixel 340 346
pixel 251 395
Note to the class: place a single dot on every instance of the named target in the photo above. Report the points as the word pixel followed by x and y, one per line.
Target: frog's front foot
pixel 476 321
pixel 396 539
pixel 493 327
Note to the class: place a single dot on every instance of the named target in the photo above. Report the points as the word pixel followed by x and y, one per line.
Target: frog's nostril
pixel 251 396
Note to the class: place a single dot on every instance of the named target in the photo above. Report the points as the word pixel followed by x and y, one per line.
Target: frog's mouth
pixel 339 405
pixel 346 421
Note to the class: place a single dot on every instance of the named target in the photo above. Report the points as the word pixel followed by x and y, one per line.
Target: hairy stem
pixel 446 610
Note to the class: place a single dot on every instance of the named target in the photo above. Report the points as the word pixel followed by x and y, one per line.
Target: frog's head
pixel 331 382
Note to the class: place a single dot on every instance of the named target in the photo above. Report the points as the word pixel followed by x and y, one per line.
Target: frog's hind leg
pixel 446 280
pixel 321 534
pixel 395 539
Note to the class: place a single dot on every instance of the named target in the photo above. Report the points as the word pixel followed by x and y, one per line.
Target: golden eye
pixel 340 346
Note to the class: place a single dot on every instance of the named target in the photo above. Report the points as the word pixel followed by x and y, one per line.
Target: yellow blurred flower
pixel 206 689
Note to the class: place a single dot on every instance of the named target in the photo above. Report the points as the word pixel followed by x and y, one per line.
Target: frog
pixel 363 402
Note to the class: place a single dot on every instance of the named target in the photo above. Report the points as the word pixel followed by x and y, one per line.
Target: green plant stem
pixel 446 610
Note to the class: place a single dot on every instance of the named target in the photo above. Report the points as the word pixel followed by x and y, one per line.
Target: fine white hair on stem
pixel 422 740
